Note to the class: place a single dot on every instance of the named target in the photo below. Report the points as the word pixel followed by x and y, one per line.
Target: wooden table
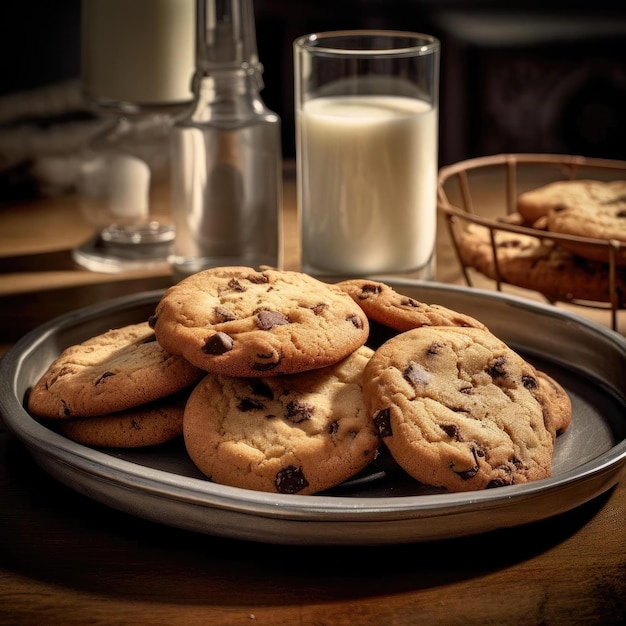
pixel 65 559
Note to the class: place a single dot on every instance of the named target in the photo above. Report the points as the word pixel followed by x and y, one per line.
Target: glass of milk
pixel 366 150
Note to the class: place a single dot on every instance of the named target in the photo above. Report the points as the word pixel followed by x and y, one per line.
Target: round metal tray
pixel 382 506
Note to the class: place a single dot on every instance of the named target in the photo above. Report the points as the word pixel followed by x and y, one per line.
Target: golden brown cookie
pixel 299 433
pixel 114 371
pixel 383 304
pixel 537 203
pixel 583 208
pixel 145 425
pixel 241 322
pixel 458 409
pixel 533 263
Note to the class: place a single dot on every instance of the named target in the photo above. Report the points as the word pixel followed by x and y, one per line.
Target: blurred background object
pixel 546 76
pixel 137 65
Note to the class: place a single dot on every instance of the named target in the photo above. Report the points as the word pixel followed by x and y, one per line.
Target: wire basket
pixel 484 191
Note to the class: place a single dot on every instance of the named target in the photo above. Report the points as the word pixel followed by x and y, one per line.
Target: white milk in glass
pixel 367 184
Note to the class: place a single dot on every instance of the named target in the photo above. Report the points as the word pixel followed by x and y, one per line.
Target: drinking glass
pixel 366 150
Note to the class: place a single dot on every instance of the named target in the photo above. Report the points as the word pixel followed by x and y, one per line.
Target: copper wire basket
pixel 484 191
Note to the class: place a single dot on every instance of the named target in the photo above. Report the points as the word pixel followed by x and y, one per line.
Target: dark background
pixel 515 76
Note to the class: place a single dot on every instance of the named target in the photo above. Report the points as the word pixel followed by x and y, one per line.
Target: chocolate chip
pixel 467 474
pixel 223 314
pixel 152 320
pixel 258 279
pixel 318 309
pixel 416 375
pixel 299 411
pixel 235 285
pixel 529 382
pixel 368 290
pixel 498 482
pixel 414 304
pixel 64 371
pixel 355 320
pixel 498 369
pixel 621 213
pixel 105 375
pixel 219 343
pixel 290 480
pixel 452 430
pixel 333 428
pixel 382 423
pixel 250 404
pixel 265 366
pixel 434 349
pixel 266 320
pixel 470 473
pixel 261 388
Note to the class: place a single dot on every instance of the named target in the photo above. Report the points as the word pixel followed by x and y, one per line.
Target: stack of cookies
pixel 588 218
pixel 276 383
pixel 118 389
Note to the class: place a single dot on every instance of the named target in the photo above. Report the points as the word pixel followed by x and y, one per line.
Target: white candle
pixel 129 187
pixel 367 179
pixel 138 51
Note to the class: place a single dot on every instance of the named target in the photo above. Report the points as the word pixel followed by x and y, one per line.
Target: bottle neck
pixel 227 83
pixel 228 97
pixel 226 37
pixel 228 77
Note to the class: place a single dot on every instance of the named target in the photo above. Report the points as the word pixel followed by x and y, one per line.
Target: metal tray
pixel 382 506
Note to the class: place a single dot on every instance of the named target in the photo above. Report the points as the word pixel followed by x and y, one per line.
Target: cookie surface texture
pixel 294 434
pixel 114 371
pixel 459 410
pixel 382 303
pixel 241 322
pixel 145 425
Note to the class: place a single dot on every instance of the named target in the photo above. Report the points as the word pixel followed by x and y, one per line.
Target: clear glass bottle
pixel 226 153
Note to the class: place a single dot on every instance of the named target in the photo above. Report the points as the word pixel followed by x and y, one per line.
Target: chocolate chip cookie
pixel 383 304
pixel 114 371
pixel 537 203
pixel 294 434
pixel 458 409
pixel 583 208
pixel 146 425
pixel 241 322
